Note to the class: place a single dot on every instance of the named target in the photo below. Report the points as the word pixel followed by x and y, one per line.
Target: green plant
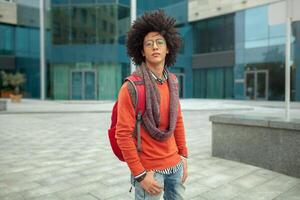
pixel 14 81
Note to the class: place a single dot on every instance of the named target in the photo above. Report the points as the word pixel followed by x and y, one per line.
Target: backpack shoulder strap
pixel 139 100
pixel 137 92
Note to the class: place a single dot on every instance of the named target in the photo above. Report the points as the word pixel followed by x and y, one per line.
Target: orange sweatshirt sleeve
pixel 179 135
pixel 124 131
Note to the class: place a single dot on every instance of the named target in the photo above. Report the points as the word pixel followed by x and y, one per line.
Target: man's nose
pixel 155 45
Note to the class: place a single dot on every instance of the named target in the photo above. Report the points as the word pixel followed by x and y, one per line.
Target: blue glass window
pixel 277 34
pixel 6 39
pixel 256 27
pixel 57 2
pixel 207 37
pixel 22 41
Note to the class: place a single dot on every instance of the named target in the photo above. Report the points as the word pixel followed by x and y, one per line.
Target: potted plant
pixel 14 81
pixel 6 89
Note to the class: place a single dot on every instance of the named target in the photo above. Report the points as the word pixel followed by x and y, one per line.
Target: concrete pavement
pixel 54 150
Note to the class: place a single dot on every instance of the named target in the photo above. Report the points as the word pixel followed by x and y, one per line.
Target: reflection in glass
pixel 89 24
pixel 61 25
pixel 261 85
pixel 6 39
pixel 89 79
pixel 250 86
pixel 83 25
pixel 274 77
pixel 76 85
pixel 207 37
pixel 213 82
pixel 83 85
pixel 256 23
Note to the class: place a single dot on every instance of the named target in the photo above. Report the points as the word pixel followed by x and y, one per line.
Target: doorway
pixel 257 84
pixel 83 85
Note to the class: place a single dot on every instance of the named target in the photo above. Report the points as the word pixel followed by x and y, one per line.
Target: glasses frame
pixel 160 42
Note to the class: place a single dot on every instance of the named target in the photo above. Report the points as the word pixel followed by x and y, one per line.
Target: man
pixel 160 169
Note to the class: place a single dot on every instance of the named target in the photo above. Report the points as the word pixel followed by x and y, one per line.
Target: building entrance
pixel 257 84
pixel 83 85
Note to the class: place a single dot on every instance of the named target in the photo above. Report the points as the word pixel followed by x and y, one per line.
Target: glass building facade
pixel 207 34
pixel 239 55
pixel 213 80
pixel 251 51
pixel 19 46
pixel 88 57
pixel 260 56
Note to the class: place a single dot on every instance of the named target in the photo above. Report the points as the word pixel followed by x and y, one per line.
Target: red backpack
pixel 139 88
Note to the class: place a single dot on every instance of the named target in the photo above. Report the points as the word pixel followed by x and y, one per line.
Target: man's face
pixel 155 48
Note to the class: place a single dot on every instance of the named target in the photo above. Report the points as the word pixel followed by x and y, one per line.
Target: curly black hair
pixel 156 21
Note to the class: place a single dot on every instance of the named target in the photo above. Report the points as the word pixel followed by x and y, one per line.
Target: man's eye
pixel 148 43
pixel 160 41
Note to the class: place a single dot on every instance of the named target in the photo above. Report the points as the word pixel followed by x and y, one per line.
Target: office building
pixel 231 49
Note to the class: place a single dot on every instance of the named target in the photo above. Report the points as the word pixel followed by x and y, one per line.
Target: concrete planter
pixel 270 143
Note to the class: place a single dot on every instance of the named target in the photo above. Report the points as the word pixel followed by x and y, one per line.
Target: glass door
pixel 262 85
pixel 250 85
pixel 83 85
pixel 256 85
pixel 89 85
pixel 76 90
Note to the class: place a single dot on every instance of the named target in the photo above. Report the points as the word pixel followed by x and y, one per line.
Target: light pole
pixel 42 50
pixel 288 60
pixel 132 19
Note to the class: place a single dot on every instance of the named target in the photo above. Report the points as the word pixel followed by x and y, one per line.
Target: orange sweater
pixel 155 154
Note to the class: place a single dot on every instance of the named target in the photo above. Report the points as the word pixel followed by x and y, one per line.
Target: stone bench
pixel 266 142
pixel 2 105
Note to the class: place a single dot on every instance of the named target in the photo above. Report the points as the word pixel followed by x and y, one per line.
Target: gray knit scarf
pixel 151 117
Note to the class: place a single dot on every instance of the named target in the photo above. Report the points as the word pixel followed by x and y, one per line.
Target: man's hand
pixel 185 170
pixel 150 185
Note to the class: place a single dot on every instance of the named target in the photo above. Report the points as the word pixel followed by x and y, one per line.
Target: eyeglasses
pixel 159 42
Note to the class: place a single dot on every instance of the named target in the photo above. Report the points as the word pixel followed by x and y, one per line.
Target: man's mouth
pixel 155 54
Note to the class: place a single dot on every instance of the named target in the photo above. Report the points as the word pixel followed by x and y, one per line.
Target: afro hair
pixel 156 21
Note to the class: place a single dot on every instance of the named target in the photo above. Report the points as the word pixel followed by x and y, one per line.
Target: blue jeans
pixel 172 184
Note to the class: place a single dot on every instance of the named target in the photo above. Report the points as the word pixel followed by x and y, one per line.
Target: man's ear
pixel 143 53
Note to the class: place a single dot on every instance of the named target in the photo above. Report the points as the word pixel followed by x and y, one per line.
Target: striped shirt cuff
pixel 183 157
pixel 141 174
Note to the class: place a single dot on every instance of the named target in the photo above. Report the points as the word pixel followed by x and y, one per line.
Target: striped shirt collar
pixel 159 80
